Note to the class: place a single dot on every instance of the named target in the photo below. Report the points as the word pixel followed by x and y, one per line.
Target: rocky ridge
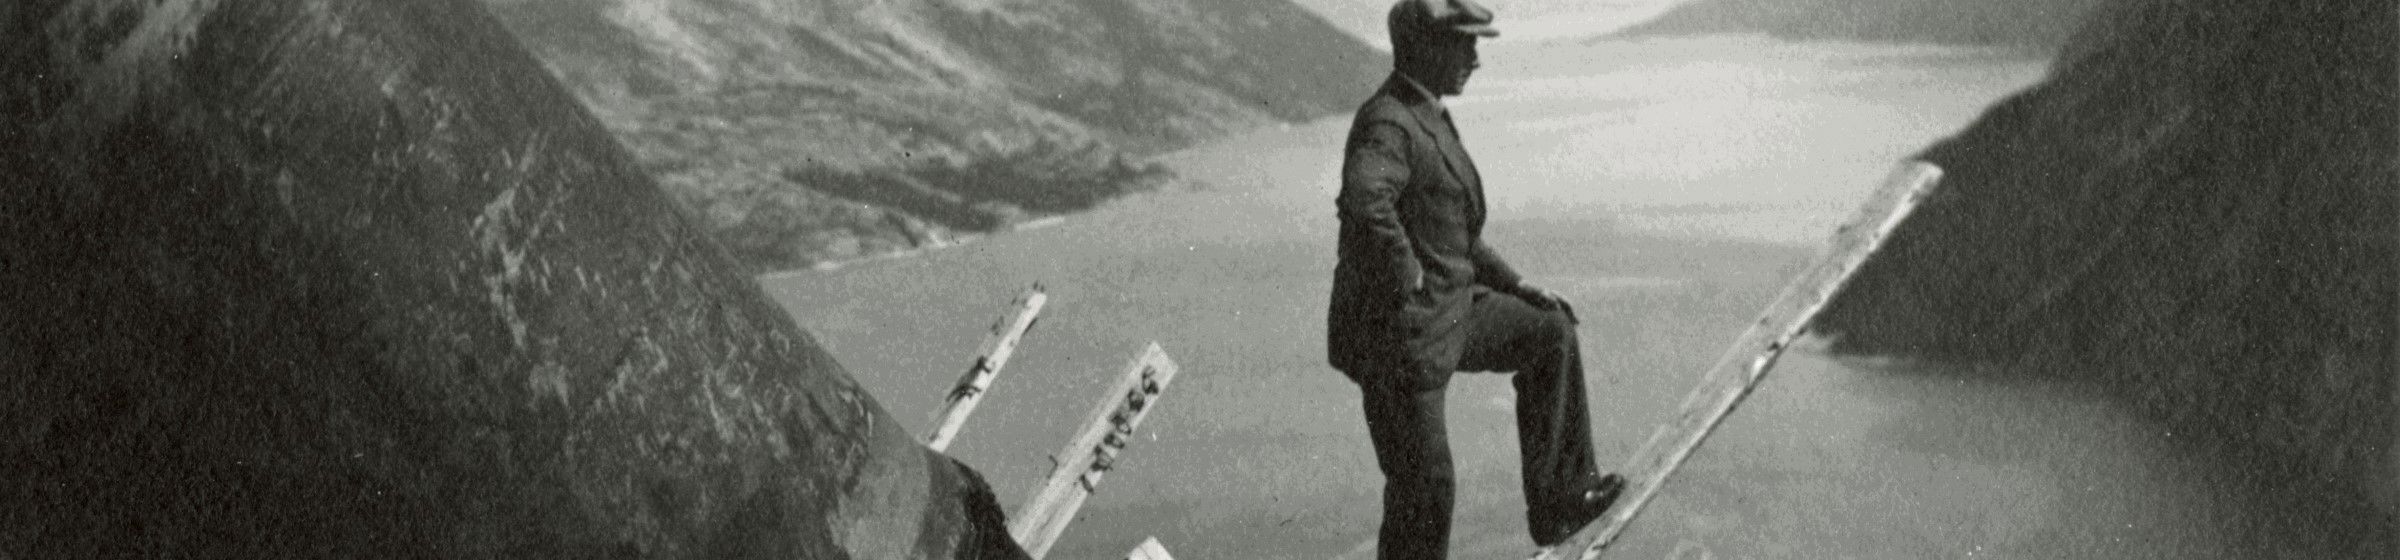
pixel 356 279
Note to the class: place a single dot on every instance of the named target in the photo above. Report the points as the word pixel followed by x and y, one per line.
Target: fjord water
pixel 1668 187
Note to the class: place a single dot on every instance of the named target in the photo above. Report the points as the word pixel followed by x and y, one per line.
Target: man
pixel 1417 295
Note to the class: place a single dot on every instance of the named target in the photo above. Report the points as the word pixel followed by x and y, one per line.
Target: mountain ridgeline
pixel 2038 24
pixel 819 130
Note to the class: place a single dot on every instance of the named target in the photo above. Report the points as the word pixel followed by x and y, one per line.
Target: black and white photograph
pixel 1200 279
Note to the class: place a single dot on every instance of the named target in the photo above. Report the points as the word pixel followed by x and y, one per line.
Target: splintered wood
pixel 997 347
pixel 1093 452
pixel 1747 362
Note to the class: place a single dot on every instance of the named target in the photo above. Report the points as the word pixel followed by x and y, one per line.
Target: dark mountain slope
pixel 356 279
pixel 2201 205
pixel 822 129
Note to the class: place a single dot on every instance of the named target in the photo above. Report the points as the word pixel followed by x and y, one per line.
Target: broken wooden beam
pixel 998 345
pixel 1093 452
pixel 1744 365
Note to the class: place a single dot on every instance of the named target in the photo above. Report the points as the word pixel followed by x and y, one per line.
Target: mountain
pixel 357 279
pixel 2200 206
pixel 2025 23
pixel 806 131
pixel 1520 21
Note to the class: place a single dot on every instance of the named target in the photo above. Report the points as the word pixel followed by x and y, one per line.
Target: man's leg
pixel 1412 446
pixel 1554 427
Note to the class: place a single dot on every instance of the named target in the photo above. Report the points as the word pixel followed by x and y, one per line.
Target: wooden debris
pixel 1748 361
pixel 1093 452
pixel 993 355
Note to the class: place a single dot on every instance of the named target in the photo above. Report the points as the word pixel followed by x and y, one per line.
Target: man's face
pixel 1449 62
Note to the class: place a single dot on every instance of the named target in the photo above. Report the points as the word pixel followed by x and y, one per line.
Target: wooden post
pixel 1093 452
pixel 1149 550
pixel 993 355
pixel 1747 362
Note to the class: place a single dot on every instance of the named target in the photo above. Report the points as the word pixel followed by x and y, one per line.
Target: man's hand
pixel 1545 299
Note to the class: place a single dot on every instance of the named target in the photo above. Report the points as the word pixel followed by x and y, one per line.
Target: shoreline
pixel 1711 218
pixel 920 250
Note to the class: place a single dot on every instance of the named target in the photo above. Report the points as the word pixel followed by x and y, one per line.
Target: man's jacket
pixel 1411 207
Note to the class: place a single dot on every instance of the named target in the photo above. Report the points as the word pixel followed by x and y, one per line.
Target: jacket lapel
pixel 1454 155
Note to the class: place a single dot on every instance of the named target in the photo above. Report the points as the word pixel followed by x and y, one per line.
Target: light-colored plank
pixel 1747 362
pixel 1149 550
pixel 1001 343
pixel 1093 452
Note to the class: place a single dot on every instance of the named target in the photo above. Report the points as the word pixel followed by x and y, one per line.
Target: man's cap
pixel 1411 19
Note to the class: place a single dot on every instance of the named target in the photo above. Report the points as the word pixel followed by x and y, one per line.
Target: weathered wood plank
pixel 1093 452
pixel 1149 550
pixel 1747 362
pixel 997 347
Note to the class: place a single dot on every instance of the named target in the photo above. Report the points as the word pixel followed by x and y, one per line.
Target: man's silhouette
pixel 1417 295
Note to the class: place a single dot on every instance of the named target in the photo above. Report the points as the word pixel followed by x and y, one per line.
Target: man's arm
pixel 1374 170
pixel 1491 271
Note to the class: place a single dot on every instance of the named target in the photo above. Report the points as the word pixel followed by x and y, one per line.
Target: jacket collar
pixel 1422 104
pixel 1419 87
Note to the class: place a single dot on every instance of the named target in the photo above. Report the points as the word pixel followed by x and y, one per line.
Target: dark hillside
pixel 2201 206
pixel 356 279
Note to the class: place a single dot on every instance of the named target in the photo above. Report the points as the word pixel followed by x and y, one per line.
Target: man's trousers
pixel 1554 434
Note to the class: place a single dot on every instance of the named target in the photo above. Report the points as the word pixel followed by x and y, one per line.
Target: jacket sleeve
pixel 1374 171
pixel 1491 271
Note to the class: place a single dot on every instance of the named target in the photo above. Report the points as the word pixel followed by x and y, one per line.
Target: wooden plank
pixel 997 347
pixel 1149 550
pixel 1093 452
pixel 1744 365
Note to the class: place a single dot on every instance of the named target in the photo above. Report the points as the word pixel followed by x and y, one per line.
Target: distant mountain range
pixel 2040 24
pixel 811 131
pixel 1520 21
pixel 2027 23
